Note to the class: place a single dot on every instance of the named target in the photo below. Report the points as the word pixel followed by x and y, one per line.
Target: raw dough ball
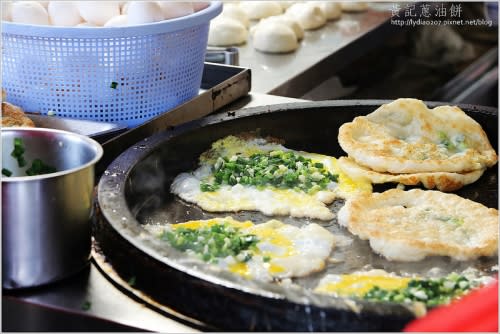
pixel 235 12
pixel 332 10
pixel 199 5
pixel 275 37
pixel 173 9
pixel 287 20
pixel 354 6
pixel 141 12
pixel 6 10
pixel 64 13
pixel 257 10
pixel 225 31
pixel 309 16
pixel 98 12
pixel 117 21
pixel 30 12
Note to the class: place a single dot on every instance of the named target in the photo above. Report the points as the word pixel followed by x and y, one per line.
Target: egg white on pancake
pixel 267 198
pixel 274 250
pixel 410 225
pixel 405 136
pixel 443 181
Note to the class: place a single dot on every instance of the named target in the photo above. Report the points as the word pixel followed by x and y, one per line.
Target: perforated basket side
pixel 125 78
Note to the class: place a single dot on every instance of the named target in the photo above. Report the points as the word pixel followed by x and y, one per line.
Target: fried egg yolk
pixel 358 284
pixel 280 250
pixel 267 199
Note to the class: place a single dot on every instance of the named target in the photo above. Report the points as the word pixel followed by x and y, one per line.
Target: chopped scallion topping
pixel 431 291
pixel 284 170
pixel 212 243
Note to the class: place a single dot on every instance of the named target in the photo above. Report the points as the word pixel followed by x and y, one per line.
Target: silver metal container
pixel 46 231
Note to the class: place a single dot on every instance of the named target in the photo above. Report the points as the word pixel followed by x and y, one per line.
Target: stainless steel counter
pixel 322 52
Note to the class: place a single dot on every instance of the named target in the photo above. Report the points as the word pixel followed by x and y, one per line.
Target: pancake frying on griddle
pixel 404 136
pixel 410 225
pixel 443 181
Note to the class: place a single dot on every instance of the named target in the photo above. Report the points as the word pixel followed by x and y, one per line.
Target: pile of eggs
pixel 274 26
pixel 96 13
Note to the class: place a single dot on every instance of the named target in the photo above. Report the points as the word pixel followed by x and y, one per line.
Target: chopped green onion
pixel 285 170
pixel 431 291
pixel 18 152
pixel 38 167
pixel 6 172
pixel 212 243
pixel 114 85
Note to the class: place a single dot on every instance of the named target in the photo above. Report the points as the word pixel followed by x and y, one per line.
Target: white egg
pixel 173 9
pixel 141 12
pixel 30 12
pixel 64 13
pixel 225 31
pixel 117 21
pixel 6 10
pixel 199 5
pixel 98 12
pixel 235 12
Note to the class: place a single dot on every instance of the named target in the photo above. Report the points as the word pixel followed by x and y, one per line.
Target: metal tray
pixel 134 190
pixel 100 131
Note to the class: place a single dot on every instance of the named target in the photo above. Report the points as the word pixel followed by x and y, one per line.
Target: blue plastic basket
pixel 122 75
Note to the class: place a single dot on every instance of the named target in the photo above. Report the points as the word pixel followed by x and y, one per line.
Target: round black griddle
pixel 134 191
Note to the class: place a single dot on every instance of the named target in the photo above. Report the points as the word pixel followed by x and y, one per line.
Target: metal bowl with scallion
pixel 47 194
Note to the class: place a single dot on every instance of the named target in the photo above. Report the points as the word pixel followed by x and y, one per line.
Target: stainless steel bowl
pixel 46 230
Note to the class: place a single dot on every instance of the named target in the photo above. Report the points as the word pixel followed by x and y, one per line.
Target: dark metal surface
pixel 135 189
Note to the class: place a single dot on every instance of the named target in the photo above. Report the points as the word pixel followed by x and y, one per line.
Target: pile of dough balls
pixel 96 13
pixel 278 25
